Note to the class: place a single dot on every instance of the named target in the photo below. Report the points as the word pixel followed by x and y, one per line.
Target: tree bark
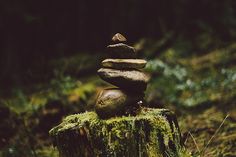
pixel 151 133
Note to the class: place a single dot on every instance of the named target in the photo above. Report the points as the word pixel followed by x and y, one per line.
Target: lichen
pixel 151 133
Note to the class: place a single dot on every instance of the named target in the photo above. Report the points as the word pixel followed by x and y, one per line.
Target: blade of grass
pixel 186 140
pixel 195 143
pixel 213 136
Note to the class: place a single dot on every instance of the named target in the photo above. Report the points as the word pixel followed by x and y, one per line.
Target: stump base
pixel 151 133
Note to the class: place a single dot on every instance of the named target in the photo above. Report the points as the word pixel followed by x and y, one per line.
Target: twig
pixel 194 141
pixel 186 140
pixel 213 136
pixel 167 154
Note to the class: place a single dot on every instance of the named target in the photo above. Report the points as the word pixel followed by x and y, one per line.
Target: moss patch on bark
pixel 151 133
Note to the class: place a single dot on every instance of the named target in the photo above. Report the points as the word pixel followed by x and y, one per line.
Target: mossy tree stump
pixel 151 133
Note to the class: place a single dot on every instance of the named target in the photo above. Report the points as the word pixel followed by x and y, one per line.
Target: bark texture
pixel 151 133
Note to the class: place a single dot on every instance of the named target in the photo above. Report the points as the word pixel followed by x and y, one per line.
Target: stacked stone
pixel 121 70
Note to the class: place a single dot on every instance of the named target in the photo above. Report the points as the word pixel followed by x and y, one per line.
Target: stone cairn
pixel 147 132
pixel 122 69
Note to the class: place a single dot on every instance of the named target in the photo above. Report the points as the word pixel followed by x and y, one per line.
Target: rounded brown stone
pixel 114 101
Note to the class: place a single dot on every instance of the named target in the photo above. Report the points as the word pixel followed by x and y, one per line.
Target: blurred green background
pixel 50 51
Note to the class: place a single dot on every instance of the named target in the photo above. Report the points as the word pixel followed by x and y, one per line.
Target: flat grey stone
pixel 131 80
pixel 124 63
pixel 121 51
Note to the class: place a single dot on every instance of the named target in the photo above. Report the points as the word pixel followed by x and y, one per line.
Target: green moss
pixel 152 133
pixel 47 152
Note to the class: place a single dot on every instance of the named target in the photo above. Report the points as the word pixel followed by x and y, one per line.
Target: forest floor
pixel 210 132
pixel 200 89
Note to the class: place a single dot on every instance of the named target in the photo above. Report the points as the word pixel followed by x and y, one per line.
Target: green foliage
pixel 62 89
pixel 181 85
pixel 47 152
pixel 63 85
pixel 33 110
pixel 20 104
pixel 16 151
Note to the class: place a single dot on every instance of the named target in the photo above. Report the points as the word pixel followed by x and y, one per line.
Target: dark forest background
pixel 34 32
pixel 50 51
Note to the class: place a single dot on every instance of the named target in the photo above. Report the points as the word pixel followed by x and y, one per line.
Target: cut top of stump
pixel 151 133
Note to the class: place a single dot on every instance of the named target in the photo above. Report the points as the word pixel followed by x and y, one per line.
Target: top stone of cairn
pixel 118 38
pixel 119 50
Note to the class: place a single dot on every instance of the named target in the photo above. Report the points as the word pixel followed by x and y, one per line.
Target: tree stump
pixel 151 133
